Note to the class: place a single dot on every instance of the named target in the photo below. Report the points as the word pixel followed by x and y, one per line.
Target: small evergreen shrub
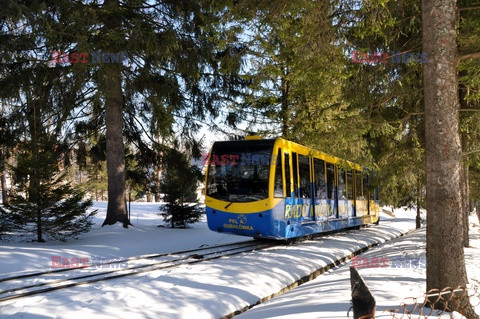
pixel 44 203
pixel 179 188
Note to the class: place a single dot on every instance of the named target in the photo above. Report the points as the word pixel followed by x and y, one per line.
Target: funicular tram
pixel 275 188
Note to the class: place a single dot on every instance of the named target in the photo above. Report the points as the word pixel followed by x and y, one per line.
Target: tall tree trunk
pixel 95 189
pixel 39 227
pixel 477 209
pixel 116 208
pixel 446 261
pixel 112 77
pixel 3 172
pixel 418 219
pixel 285 111
pixel 157 177
pixel 34 123
pixel 3 179
pixel 465 192
pixel 465 168
pixel 34 197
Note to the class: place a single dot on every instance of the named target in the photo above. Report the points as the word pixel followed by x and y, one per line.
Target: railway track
pixel 23 285
pixel 34 283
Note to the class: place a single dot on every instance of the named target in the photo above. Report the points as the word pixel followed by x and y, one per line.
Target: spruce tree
pixel 172 66
pixel 44 203
pixel 295 69
pixel 469 88
pixel 178 185
pixel 386 93
pixel 443 152
pixel 41 99
pixel 7 137
pixel 170 73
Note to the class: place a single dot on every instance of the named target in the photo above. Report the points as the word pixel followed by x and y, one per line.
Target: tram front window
pixel 238 171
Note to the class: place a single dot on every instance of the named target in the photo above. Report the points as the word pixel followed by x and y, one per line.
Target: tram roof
pixel 296 147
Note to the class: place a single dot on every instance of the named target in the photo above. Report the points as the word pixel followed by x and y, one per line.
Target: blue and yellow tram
pixel 275 188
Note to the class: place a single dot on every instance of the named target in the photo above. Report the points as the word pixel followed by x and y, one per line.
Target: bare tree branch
pixel 474 55
pixel 469 110
pixel 469 8
pixel 470 152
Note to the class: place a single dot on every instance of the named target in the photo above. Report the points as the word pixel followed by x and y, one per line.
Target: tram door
pixel 322 207
pixel 342 193
pixel 361 204
pixel 331 190
pixel 305 199
pixel 286 165
pixel 350 193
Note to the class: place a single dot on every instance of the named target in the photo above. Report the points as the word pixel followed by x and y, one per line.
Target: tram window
pixel 330 181
pixel 349 184
pixel 295 174
pixel 244 181
pixel 278 175
pixel 342 192
pixel 320 183
pixel 358 185
pixel 304 171
pixel 286 162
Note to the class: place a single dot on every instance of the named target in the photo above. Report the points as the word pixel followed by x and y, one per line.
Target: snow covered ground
pixel 111 242
pixel 213 289
pixel 329 295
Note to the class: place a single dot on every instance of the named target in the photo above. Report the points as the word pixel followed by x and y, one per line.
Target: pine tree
pixel 42 101
pixel 294 69
pixel 179 184
pixel 469 88
pixel 172 72
pixel 387 94
pixel 390 95
pixel 95 185
pixel 7 137
pixel 443 151
pixel 44 203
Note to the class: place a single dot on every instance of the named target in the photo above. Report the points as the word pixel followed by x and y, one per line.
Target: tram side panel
pixel 324 212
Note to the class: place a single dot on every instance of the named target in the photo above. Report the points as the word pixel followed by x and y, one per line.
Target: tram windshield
pixel 238 171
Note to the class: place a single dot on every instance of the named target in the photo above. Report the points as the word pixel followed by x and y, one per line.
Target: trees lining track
pixel 167 260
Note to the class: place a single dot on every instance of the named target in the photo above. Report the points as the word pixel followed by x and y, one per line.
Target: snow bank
pixel 329 295
pixel 205 290
pixel 111 242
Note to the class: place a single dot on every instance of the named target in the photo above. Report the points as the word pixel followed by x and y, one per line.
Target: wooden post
pixel 363 302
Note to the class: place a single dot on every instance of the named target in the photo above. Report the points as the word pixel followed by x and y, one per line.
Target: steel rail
pixel 153 256
pixel 139 269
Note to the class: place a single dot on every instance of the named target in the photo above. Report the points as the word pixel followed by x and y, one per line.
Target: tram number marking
pixel 343 209
pixel 324 210
pixel 295 211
